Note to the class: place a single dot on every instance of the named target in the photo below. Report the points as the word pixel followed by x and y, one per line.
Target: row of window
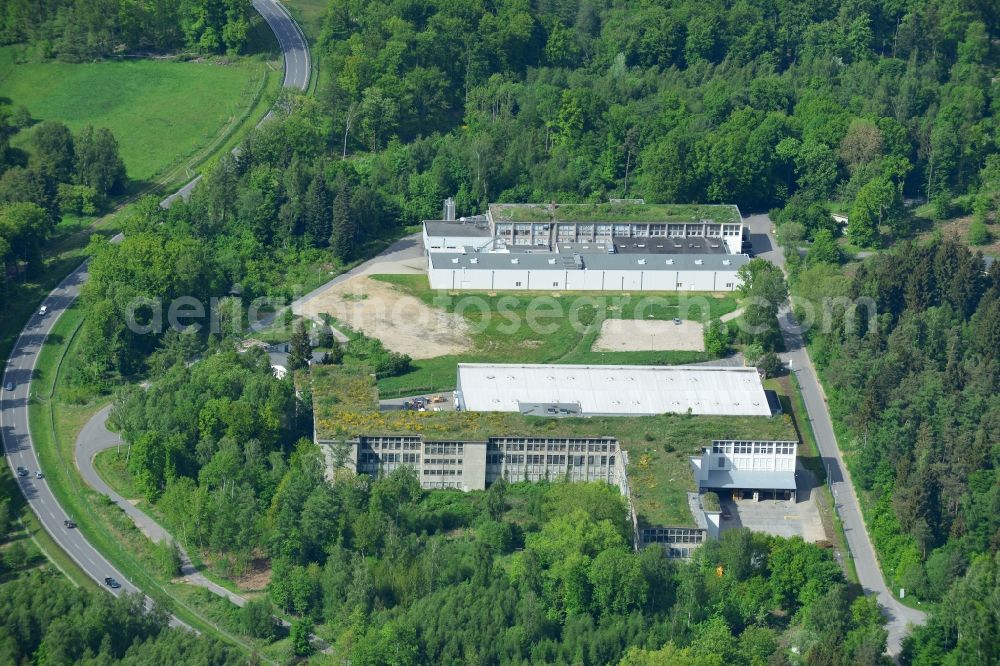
pixel 542 445
pixel 781 448
pixel 442 472
pixel 450 448
pixel 672 535
pixel 442 461
pixel 441 484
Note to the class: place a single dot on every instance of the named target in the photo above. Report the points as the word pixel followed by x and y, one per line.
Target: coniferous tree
pixel 342 238
pixel 317 211
pixel 301 350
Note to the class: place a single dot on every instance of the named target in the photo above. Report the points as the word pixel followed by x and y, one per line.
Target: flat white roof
pixel 614 389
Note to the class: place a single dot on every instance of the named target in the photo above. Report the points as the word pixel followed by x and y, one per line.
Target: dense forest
pixel 915 381
pixel 78 30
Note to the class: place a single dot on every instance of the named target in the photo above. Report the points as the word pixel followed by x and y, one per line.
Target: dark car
pixel 69 524
pixel 9 386
pixel 112 583
pixel 22 472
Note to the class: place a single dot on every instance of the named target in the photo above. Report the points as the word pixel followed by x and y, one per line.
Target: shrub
pixel 978 233
pixel 770 364
pixel 256 620
pixel 168 558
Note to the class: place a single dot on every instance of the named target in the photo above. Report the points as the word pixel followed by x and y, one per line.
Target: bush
pixel 168 558
pixel 978 233
pixel 301 629
pixel 79 199
pixel 770 364
pixel 257 621
pixel 716 338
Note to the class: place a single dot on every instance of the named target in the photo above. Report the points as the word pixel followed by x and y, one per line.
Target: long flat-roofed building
pixel 484 271
pixel 611 390
pixel 618 246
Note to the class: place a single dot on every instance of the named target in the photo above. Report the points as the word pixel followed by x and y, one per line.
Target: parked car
pixel 42 311
pixel 69 524
pixel 22 472
pixel 677 321
pixel 39 475
pixel 9 386
pixel 112 583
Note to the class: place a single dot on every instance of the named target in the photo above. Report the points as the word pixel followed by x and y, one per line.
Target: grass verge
pixel 54 427
pixel 791 400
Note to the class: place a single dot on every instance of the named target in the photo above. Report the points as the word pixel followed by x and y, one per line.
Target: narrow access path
pixel 94 438
pixel 898 615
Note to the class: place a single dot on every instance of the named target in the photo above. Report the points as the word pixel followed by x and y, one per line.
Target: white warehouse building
pixel 610 390
pixel 618 246
pixel 583 272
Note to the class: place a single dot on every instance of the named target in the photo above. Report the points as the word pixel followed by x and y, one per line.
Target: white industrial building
pixel 628 246
pixel 583 272
pixel 747 469
pixel 610 390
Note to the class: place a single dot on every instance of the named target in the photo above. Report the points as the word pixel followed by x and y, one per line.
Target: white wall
pixel 465 278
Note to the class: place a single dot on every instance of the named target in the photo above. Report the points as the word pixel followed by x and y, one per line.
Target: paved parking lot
pixel 777 517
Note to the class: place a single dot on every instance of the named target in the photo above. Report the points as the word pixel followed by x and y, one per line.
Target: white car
pixel 42 311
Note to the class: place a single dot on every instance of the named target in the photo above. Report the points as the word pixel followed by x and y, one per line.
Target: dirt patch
pixel 257 577
pixel 402 322
pixel 649 335
pixel 959 227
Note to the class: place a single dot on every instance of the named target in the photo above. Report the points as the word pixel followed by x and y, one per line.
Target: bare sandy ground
pixel 403 323
pixel 649 335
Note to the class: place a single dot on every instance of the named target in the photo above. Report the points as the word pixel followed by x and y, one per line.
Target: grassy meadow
pixel 162 112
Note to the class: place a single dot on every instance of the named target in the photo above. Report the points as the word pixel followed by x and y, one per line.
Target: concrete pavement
pixel 898 616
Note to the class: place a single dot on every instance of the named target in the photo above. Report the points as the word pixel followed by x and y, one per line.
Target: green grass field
pixel 162 112
pixel 568 343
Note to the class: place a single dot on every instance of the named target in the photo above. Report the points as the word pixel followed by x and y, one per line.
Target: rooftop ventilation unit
pixel 454 260
pixel 725 262
pixel 670 262
pixel 642 262
pixel 515 260
pixel 552 261
pixel 698 262
pixel 474 260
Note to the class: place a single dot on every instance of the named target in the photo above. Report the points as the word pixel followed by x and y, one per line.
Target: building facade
pixel 475 465
pixel 741 469
pixel 498 271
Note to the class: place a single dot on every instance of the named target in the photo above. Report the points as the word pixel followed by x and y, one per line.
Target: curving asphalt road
pixel 898 616
pixel 19 370
pixel 295 52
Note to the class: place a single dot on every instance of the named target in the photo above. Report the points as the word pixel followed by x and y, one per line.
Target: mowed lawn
pixel 160 111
